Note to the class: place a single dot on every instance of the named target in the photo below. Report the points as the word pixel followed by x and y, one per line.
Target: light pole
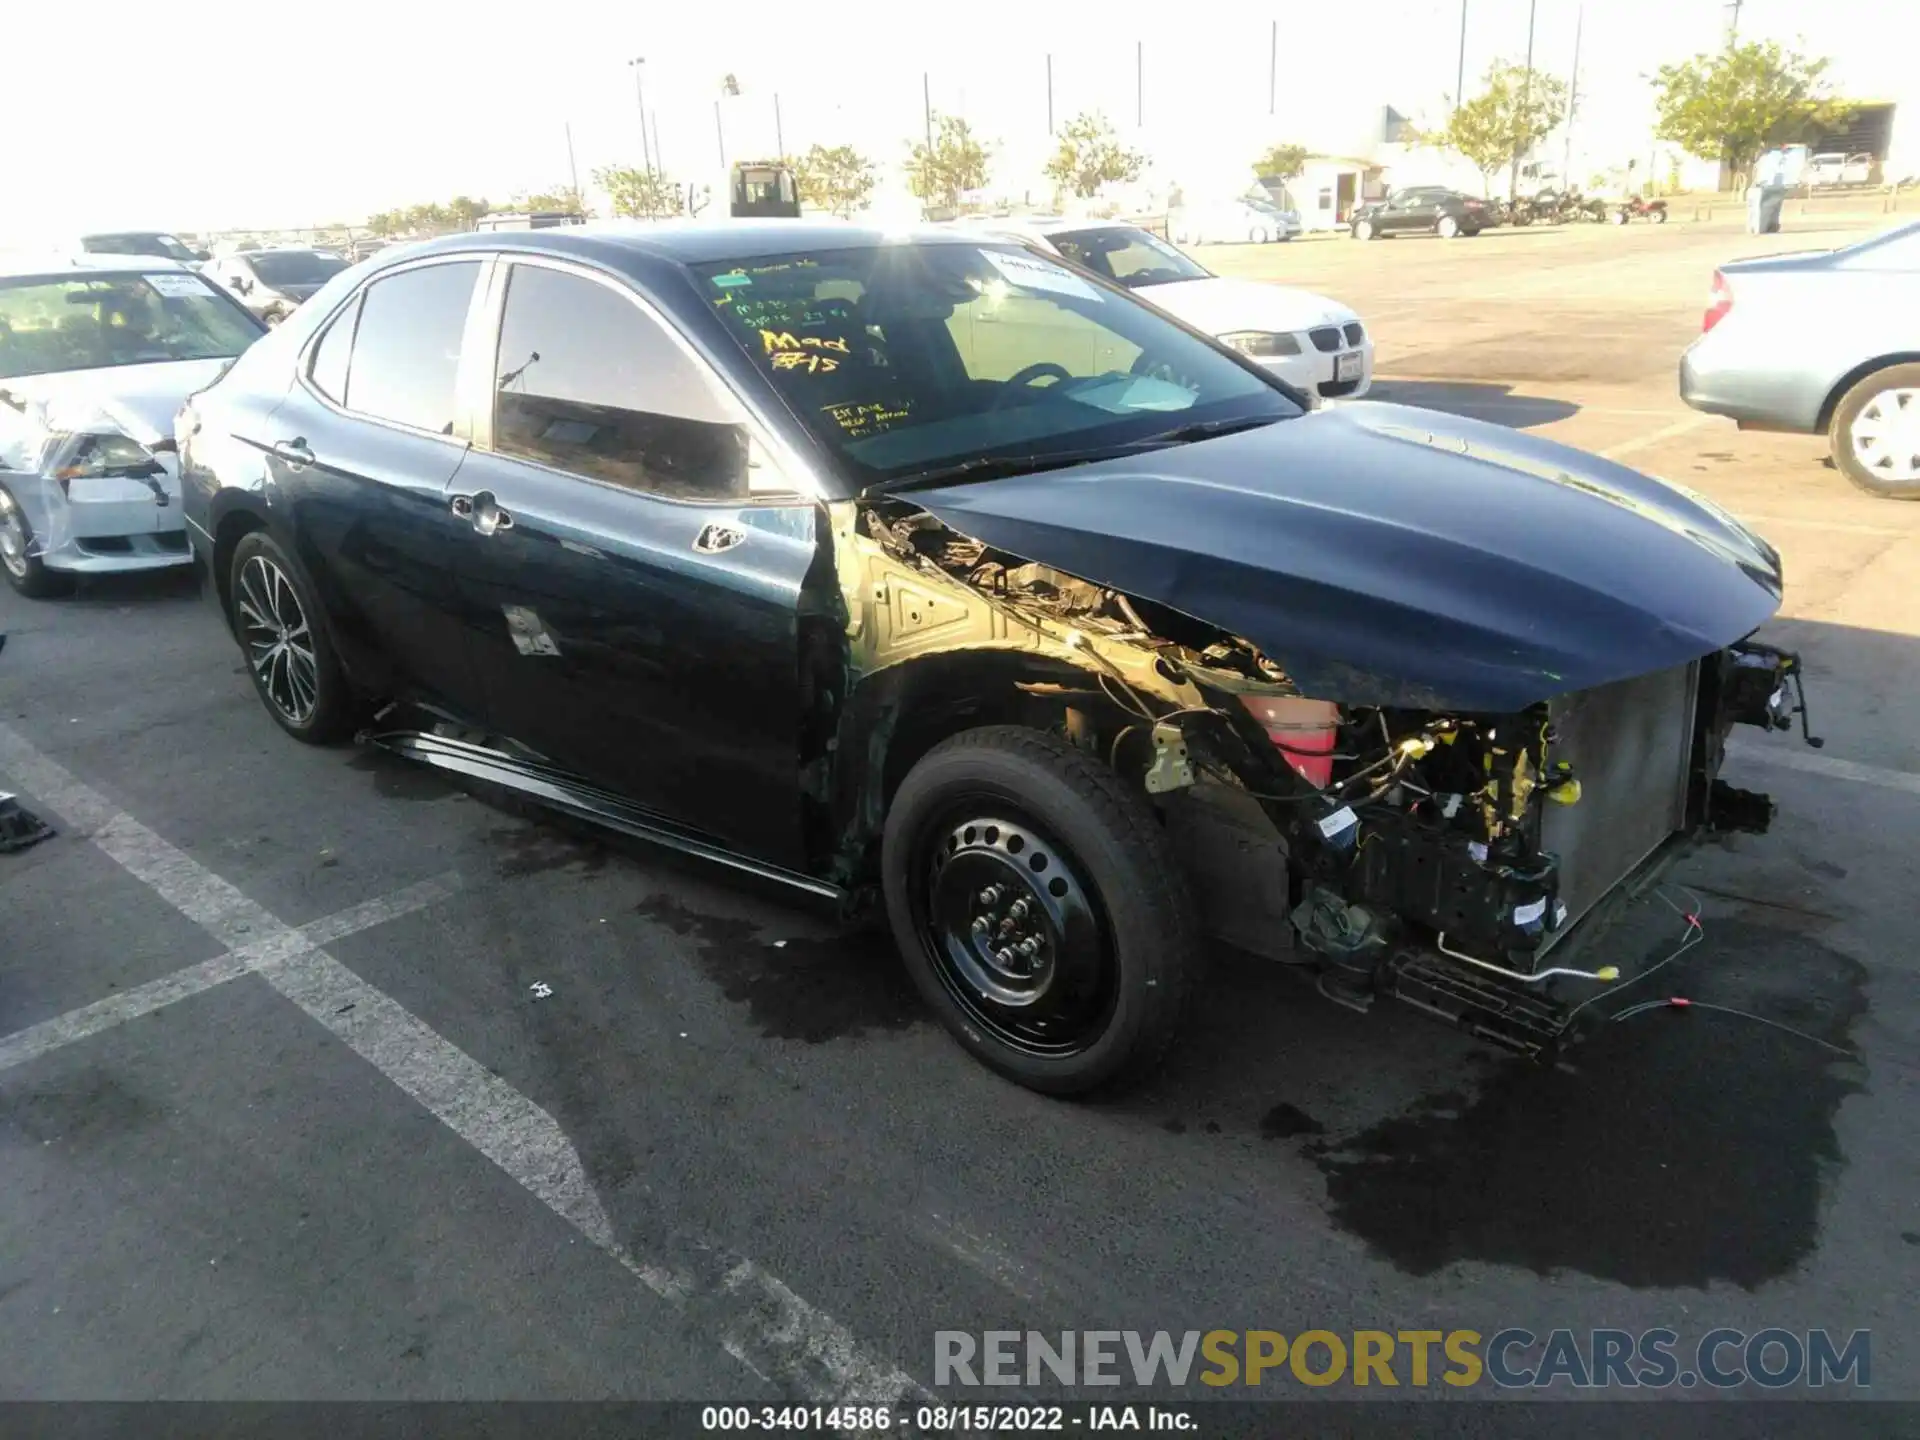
pixel 640 100
pixel 1139 84
pixel 720 132
pixel 1460 70
pixel 1526 100
pixel 1049 94
pixel 1273 68
pixel 1573 98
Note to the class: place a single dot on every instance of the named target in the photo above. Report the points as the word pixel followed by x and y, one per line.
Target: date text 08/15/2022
pixel 946 1419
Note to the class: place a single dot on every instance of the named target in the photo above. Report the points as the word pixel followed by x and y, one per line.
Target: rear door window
pixel 406 350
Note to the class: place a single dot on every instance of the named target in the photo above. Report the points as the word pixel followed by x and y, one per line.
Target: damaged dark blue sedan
pixel 938 577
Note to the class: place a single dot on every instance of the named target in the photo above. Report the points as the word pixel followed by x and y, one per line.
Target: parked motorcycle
pixel 1635 208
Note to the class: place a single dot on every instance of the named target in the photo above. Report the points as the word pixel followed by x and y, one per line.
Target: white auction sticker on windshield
pixel 1030 272
pixel 178 287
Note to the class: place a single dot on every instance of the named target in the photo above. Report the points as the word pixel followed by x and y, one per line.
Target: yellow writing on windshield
pixel 773 341
pixel 802 360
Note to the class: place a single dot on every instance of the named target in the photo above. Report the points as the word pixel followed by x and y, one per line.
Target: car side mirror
pixel 203 254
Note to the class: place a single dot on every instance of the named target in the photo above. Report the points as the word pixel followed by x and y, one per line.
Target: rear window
pixel 137 242
pixel 296 267
pixel 100 321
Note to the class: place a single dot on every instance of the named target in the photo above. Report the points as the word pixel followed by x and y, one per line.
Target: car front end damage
pixel 1456 851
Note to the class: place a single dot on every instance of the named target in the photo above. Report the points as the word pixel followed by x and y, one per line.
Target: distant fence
pixel 1803 203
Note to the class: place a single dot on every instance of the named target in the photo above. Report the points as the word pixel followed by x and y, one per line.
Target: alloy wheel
pixel 13 537
pixel 1886 436
pixel 278 639
pixel 1015 935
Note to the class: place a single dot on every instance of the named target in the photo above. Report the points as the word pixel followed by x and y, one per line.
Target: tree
pixel 466 211
pixel 956 163
pixel 1090 155
pixel 1515 112
pixel 1732 105
pixel 636 194
pixel 838 179
pixel 561 197
pixel 1280 162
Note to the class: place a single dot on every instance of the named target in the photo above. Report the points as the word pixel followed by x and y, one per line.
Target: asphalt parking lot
pixel 325 1078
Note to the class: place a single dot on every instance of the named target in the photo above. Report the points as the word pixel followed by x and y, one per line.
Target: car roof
pixel 693 242
pixel 63 265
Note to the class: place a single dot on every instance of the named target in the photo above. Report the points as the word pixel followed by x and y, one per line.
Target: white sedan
pixel 1315 344
pixel 97 354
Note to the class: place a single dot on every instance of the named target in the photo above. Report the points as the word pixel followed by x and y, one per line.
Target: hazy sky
pixel 264 113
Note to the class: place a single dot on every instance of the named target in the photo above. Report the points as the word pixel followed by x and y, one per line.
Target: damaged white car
pixel 97 353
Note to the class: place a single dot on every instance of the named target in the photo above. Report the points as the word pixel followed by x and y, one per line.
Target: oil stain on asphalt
pixel 1681 1147
pixel 810 989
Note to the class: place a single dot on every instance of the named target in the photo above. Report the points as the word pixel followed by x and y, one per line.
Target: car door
pixel 360 454
pixel 634 563
pixel 1399 212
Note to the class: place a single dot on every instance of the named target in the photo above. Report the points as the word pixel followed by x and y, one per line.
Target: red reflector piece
pixel 1304 732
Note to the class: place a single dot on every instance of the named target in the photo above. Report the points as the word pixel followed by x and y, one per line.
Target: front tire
pixel 24 570
pixel 1039 909
pixel 1363 230
pixel 1875 433
pixel 1659 217
pixel 289 656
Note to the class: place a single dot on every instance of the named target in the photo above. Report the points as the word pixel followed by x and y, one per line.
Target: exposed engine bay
pixel 1433 854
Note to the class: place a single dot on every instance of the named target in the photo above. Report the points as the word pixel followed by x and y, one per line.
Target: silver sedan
pixel 97 355
pixel 1826 342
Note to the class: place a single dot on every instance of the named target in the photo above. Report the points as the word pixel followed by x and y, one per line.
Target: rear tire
pixel 1862 414
pixel 1447 228
pixel 1006 824
pixel 24 570
pixel 283 636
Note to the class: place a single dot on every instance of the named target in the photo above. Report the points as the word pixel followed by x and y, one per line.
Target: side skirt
pixel 568 794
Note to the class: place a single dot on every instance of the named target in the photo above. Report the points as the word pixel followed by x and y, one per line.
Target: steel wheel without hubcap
pixel 1363 230
pixel 277 639
pixel 1014 933
pixel 1885 436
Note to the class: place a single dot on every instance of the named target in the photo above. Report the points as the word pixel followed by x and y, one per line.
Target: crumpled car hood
pixel 1389 555
pixel 139 400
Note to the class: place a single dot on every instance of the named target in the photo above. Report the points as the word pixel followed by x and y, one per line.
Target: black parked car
pixel 937 576
pixel 273 283
pixel 1430 209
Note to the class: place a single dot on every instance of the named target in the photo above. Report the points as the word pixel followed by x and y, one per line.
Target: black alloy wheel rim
pixel 1016 937
pixel 278 639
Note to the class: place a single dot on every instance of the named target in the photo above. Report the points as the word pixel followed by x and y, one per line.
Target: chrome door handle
pixel 294 452
pixel 483 510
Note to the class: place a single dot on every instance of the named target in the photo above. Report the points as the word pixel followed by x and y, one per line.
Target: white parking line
pixel 24 1045
pixel 1654 437
pixel 1830 766
pixel 762 1323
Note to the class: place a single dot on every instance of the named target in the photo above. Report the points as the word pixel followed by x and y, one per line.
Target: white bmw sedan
pixel 1316 344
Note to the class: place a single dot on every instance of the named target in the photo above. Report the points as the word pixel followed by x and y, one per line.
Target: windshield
pixel 904 359
pixel 138 242
pixel 47 326
pixel 295 267
pixel 1128 255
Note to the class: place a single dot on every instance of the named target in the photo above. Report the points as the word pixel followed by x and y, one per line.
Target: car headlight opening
pixel 1262 343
